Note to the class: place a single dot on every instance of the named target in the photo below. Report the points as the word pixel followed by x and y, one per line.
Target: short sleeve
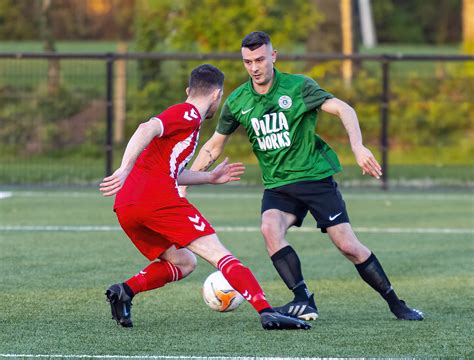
pixel 227 124
pixel 313 95
pixel 177 120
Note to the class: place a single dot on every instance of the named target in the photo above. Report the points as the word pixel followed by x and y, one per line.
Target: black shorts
pixel 321 197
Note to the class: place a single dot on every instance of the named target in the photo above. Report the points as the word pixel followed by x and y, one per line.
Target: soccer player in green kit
pixel 279 112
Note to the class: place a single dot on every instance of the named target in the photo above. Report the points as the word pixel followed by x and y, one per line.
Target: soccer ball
pixel 219 295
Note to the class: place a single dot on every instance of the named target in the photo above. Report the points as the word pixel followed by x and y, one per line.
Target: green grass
pixel 61 46
pixel 416 49
pixel 53 281
pixel 81 74
pixel 426 69
pixel 92 72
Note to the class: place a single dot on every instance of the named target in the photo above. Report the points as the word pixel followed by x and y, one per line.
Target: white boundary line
pixel 258 195
pixel 5 194
pixel 106 228
pixel 83 356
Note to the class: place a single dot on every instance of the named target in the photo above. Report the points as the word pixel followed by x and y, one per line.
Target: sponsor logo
pixel 285 102
pixel 272 131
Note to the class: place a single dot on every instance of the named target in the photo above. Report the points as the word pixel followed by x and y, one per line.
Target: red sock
pixel 155 275
pixel 242 280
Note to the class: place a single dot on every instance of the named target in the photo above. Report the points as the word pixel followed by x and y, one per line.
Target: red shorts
pixel 153 229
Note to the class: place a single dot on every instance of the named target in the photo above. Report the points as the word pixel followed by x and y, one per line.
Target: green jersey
pixel 281 128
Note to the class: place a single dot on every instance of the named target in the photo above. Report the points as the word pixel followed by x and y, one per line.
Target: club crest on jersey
pixel 285 102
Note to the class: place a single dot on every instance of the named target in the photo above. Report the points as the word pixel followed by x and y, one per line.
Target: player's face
pixel 259 63
pixel 215 104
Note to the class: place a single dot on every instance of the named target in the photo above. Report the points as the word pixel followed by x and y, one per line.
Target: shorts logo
pixel 331 218
pixel 285 102
pixel 195 220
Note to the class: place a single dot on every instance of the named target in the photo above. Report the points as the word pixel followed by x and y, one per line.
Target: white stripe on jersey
pixel 190 156
pixel 162 126
pixel 177 150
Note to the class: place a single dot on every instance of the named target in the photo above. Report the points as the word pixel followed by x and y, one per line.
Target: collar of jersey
pixel 276 80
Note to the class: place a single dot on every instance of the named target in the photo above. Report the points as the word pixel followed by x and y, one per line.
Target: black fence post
pixel 385 102
pixel 109 145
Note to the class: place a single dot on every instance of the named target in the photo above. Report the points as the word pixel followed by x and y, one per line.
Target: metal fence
pixel 67 133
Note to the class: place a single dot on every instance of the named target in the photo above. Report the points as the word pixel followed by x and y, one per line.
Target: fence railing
pixel 384 61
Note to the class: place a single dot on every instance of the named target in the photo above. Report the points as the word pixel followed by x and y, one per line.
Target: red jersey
pixel 153 179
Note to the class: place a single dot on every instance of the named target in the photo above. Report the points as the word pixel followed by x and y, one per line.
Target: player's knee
pixel 269 231
pixel 347 248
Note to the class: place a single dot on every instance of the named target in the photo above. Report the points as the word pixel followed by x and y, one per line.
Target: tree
pixel 49 46
pixel 417 21
pixel 215 26
pixel 18 20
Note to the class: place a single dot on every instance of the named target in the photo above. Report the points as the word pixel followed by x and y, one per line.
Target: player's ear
pixel 274 55
pixel 217 93
pixel 187 91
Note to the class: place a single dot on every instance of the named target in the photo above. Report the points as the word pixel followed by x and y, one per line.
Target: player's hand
pixel 367 162
pixel 225 172
pixel 113 183
pixel 183 190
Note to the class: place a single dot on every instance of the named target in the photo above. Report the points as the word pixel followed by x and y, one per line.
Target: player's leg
pixel 168 263
pixel 370 269
pixel 242 279
pixel 327 206
pixel 347 243
pixel 279 212
pixel 173 265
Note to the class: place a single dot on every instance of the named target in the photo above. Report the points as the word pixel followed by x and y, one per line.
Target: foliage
pixel 417 21
pixel 432 112
pixel 206 26
pixel 18 19
pixel 71 19
pixel 45 124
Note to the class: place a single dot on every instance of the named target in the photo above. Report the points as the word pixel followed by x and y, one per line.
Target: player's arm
pixel 138 142
pixel 222 173
pixel 214 147
pixel 207 156
pixel 210 152
pixel 348 116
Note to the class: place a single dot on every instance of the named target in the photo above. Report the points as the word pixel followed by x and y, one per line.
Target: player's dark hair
pixel 255 39
pixel 204 79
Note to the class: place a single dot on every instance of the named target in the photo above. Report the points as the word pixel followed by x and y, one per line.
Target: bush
pixel 37 123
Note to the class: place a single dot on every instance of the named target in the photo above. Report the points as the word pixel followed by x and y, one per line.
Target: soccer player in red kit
pixel 162 224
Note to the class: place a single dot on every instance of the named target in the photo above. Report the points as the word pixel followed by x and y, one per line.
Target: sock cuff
pixel 226 261
pixel 367 262
pixel 282 253
pixel 174 271
pixel 301 283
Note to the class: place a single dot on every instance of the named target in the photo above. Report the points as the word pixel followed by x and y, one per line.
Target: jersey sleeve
pixel 227 124
pixel 313 95
pixel 176 120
